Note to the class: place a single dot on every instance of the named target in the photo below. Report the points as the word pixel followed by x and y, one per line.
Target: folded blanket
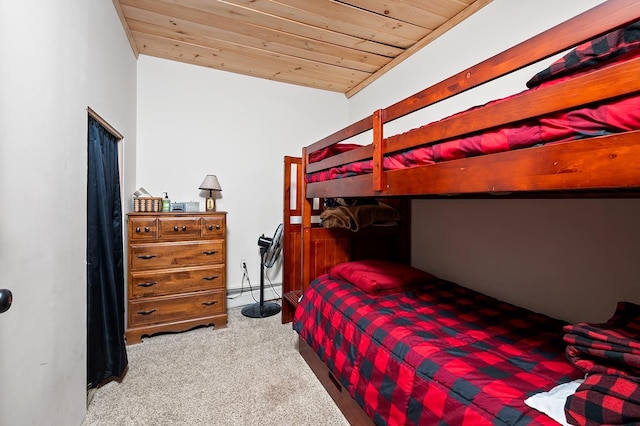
pixel 358 216
pixel 338 217
pixel 609 348
pixel 605 400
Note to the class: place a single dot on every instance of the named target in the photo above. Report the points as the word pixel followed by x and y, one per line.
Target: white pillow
pixel 552 402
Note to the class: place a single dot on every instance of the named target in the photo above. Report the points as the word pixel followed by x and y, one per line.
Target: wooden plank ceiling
pixel 336 45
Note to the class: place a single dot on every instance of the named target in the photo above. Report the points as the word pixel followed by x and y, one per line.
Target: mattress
pixel 434 352
pixel 598 120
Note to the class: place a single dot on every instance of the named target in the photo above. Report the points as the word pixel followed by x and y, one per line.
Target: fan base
pixel 256 311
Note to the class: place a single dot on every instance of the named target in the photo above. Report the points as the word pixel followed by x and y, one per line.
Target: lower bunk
pixel 397 346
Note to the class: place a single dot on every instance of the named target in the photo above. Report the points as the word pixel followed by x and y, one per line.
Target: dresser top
pixel 175 214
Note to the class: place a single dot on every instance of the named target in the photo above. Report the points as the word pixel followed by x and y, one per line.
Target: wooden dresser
pixel 176 273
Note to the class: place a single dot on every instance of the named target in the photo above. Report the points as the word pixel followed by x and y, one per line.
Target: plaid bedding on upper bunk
pixel 618 115
pixel 437 353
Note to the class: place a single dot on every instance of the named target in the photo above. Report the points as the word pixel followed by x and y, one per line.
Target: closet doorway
pixel 106 352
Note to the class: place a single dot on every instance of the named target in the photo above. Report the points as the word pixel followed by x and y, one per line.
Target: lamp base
pixel 211 204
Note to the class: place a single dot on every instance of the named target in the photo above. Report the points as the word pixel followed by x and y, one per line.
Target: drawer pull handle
pixel 184 228
pixel 146 312
pixel 213 302
pixel 148 284
pixel 211 227
pixel 147 256
pixel 209 252
pixel 146 229
pixel 137 229
pixel 210 278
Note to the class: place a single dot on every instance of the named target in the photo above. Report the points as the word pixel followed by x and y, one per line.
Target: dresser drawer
pixel 143 229
pixel 175 254
pixel 168 309
pixel 174 281
pixel 179 228
pixel 213 227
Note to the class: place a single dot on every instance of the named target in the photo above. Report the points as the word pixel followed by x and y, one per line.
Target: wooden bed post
pixel 305 235
pixel 378 154
pixel 291 269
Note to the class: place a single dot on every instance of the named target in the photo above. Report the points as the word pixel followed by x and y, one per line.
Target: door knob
pixel 5 300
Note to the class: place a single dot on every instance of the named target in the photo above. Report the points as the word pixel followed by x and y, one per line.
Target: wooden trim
pixel 125 27
pixel 104 124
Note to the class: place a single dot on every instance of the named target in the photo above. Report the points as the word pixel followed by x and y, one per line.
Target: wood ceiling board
pixel 288 25
pixel 403 11
pixel 341 18
pixel 147 22
pixel 237 60
pixel 212 12
pixel 257 57
pixel 337 45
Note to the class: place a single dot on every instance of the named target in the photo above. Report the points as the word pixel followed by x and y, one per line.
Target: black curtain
pixel 106 353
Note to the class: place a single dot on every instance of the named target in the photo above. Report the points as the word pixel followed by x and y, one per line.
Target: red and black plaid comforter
pixel 612 347
pixel 617 116
pixel 610 355
pixel 440 354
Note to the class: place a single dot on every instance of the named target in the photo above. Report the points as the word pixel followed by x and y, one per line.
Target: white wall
pixel 572 259
pixel 56 58
pixel 194 121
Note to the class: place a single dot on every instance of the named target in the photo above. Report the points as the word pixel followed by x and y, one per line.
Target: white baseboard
pixel 235 298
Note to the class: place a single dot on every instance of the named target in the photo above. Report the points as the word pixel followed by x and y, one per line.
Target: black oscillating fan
pixel 270 249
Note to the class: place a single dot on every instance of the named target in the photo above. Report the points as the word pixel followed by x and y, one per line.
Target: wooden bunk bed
pixel 601 165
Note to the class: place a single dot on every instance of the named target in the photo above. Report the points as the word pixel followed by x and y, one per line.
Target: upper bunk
pixel 447 157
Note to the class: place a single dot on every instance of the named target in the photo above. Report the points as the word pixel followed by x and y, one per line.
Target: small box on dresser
pixel 176 272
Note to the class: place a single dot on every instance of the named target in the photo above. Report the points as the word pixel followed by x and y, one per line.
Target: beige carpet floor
pixel 249 373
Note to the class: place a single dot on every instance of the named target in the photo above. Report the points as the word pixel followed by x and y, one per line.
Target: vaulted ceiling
pixel 336 45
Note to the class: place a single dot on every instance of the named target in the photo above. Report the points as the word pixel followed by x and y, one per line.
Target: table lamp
pixel 210 183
